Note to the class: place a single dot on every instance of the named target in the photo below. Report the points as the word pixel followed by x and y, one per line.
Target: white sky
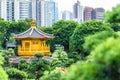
pixel 68 4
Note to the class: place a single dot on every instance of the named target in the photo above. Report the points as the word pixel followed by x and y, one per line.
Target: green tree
pixel 23 65
pixel 60 59
pixel 102 63
pixel 74 57
pixel 4 25
pixel 39 64
pixel 115 26
pixel 85 29
pixel 62 31
pixel 114 15
pixel 92 41
pixel 53 75
pixel 15 74
pixel 113 18
pixel 7 54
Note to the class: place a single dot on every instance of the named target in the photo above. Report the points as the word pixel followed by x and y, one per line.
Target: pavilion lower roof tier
pixel 34 33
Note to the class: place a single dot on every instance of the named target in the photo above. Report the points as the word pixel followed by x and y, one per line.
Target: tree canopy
pixel 92 41
pixel 87 28
pixel 102 63
pixel 62 31
pixel 114 15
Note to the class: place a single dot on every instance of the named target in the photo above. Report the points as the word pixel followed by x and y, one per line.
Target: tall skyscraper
pixel 78 11
pixel 66 15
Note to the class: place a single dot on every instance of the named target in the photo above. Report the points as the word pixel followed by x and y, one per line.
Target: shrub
pixel 16 74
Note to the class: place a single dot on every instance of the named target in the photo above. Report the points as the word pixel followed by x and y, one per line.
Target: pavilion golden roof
pixel 33 32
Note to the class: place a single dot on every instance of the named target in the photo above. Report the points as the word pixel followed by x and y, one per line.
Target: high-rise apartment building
pixel 40 11
pixel 47 12
pixel 7 9
pixel 88 13
pixel 78 11
pixel 10 10
pixel 99 13
pixel 51 12
pixel 3 9
pixel 66 15
pixel 23 9
pixel 93 14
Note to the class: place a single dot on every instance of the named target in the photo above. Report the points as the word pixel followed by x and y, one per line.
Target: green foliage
pixel 4 25
pixel 23 65
pixel 92 41
pixel 85 29
pixel 3 74
pixel 16 74
pixel 74 57
pixel 39 55
pixel 113 18
pixel 102 63
pixel 115 26
pixel 53 75
pixel 39 64
pixel 7 54
pixel 60 59
pixel 6 28
pixel 11 38
pixel 81 71
pixel 108 55
pixel 114 15
pixel 62 31
pixel 46 29
pixel 56 63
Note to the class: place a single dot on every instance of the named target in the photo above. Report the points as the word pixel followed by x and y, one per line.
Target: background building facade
pixel 66 15
pixel 45 12
pixel 93 14
pixel 10 10
pixel 22 9
pixel 88 11
pixel 78 12
pixel 99 13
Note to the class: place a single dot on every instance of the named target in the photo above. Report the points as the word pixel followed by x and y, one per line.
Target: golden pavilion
pixel 33 41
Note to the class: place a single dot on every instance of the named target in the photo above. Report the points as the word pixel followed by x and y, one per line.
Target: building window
pixel 27 44
pixel 35 42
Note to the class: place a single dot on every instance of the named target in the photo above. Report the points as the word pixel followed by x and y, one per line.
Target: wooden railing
pixel 31 51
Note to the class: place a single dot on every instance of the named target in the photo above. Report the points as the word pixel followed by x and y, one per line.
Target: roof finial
pixel 33 24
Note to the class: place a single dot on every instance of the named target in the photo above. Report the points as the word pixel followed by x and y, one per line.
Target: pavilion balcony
pixel 22 51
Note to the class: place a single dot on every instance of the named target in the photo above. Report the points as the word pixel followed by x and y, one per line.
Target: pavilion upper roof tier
pixel 34 33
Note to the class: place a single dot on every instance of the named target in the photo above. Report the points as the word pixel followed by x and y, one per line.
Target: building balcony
pixel 22 51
